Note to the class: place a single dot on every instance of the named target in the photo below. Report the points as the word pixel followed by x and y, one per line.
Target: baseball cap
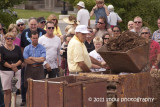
pixel 81 3
pixel 40 19
pixel 19 21
pixel 82 29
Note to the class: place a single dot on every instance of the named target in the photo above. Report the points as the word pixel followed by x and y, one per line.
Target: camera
pixel 64 51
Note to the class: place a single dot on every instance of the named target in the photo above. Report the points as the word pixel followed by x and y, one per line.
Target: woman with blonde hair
pixel 11 60
pixel 14 29
pixel 57 30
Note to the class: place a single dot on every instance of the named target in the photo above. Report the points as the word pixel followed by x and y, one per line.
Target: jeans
pixel 23 89
pixel 52 74
pixel 1 96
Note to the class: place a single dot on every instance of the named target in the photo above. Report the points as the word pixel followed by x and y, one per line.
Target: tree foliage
pixel 7 17
pixel 147 9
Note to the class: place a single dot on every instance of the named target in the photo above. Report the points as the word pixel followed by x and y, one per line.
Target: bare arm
pixel 29 61
pixel 83 66
pixel 89 22
pixel 106 10
pixel 94 61
pixel 92 11
pixel 37 59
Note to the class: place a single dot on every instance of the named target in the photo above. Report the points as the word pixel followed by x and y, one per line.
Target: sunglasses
pixel 20 25
pixel 115 30
pixel 43 22
pixel 105 38
pixel 54 19
pixel 9 38
pixel 100 23
pixel 137 22
pixel 145 33
pixel 50 28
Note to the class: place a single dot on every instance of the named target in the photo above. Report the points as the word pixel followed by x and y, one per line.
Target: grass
pixel 35 13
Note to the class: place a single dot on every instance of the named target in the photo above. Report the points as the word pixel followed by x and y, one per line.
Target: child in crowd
pixel 100 10
pixel 98 42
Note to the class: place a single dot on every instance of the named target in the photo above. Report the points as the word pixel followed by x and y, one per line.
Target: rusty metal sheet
pixel 55 94
pixel 64 91
pixel 94 95
pixel 73 96
pixel 133 61
pixel 134 86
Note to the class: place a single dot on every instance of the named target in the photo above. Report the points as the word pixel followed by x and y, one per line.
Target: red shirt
pixel 154 51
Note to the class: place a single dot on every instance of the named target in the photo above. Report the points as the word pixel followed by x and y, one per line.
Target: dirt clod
pixel 125 42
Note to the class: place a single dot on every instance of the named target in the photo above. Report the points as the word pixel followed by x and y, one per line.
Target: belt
pixel 36 65
pixel 74 72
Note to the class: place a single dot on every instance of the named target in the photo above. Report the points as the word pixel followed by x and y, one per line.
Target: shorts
pixel 6 77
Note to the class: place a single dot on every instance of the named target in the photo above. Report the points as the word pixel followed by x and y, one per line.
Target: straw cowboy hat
pixel 70 20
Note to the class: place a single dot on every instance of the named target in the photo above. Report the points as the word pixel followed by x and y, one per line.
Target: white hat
pixel 82 29
pixel 81 3
pixel 19 21
pixel 110 7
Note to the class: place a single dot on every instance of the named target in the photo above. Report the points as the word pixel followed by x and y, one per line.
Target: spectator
pixel 98 42
pixel 156 34
pixel 14 29
pixel 41 22
pixel 72 21
pixel 77 55
pixel 130 25
pixel 26 34
pixel 106 38
pixel 34 56
pixel 154 51
pixel 113 18
pixel 63 52
pixel 102 27
pixel 25 40
pixel 53 45
pixel 1 95
pixel 138 24
pixel 57 30
pixel 2 33
pixel 1 90
pixel 11 60
pixel 89 40
pixel 21 26
pixel 100 10
pixel 116 30
pixel 83 15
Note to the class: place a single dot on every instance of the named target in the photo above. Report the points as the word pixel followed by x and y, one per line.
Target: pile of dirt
pixel 126 41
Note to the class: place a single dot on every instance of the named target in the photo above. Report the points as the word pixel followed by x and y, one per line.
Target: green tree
pixel 128 9
pixel 7 17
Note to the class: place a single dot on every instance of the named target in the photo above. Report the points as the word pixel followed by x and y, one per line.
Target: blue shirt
pixel 31 51
pixel 100 12
pixel 156 36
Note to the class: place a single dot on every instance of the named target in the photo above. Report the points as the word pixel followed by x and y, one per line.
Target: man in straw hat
pixel 77 55
pixel 83 15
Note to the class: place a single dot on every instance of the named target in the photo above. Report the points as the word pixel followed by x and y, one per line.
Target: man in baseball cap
pixel 41 22
pixel 77 54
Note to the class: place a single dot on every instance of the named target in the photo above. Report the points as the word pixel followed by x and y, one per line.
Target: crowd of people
pixel 42 51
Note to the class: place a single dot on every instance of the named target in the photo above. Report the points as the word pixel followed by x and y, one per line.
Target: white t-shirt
pixel 83 16
pixel 113 18
pixel 97 56
pixel 53 46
